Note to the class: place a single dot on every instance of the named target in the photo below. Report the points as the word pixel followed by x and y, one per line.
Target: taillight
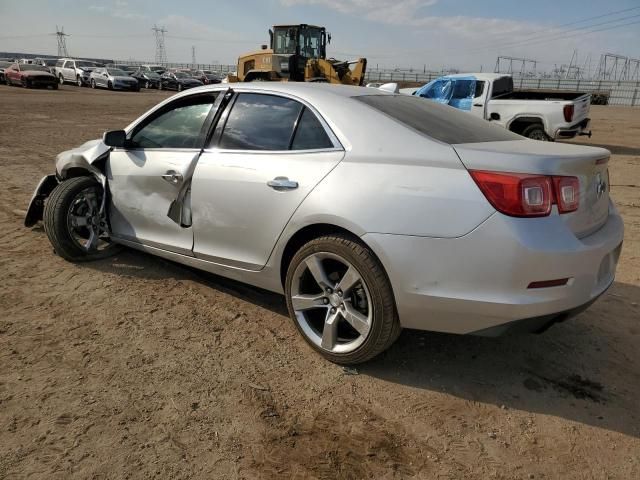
pixel 516 194
pixel 567 193
pixel 568 113
pixel 528 195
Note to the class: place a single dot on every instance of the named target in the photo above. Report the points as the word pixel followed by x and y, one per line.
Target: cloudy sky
pixel 464 34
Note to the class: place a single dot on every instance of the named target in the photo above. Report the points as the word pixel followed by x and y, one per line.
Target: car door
pixel 146 177
pixel 12 74
pixel 68 71
pixel 479 105
pixel 267 154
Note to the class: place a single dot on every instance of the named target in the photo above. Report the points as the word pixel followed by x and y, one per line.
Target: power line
pixel 537 33
pixel 542 39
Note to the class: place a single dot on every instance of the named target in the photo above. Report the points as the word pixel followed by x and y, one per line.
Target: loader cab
pixel 307 41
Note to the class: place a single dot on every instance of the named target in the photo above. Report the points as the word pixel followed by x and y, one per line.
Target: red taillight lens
pixel 567 193
pixel 568 113
pixel 528 195
pixel 516 194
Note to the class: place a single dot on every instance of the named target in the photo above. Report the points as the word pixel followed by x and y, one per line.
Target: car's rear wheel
pixel 340 299
pixel 73 223
pixel 536 132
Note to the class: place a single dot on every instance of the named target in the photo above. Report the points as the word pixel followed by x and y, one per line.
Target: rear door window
pixel 260 122
pixel 440 122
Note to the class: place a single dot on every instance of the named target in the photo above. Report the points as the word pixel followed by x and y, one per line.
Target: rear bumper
pixel 580 128
pixel 480 281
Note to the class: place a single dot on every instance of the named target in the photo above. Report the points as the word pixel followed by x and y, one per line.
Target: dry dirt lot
pixel 135 367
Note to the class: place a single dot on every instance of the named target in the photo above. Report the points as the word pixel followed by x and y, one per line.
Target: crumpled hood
pixel 82 156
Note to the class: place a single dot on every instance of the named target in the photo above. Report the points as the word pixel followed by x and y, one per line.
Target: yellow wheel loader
pixel 298 53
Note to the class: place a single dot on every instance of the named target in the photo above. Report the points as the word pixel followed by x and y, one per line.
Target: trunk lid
pixel 589 164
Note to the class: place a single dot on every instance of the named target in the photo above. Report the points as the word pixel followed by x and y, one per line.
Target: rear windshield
pixel 439 122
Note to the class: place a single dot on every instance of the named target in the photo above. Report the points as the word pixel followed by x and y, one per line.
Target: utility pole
pixel 193 56
pixel 161 52
pixel 62 42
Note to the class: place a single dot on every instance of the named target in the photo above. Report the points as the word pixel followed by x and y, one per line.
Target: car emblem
pixel 601 186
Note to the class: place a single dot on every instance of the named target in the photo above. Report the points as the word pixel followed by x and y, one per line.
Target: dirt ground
pixel 135 367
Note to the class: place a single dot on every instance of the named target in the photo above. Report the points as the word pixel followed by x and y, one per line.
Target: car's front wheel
pixel 93 83
pixel 61 79
pixel 340 299
pixel 73 222
pixel 79 80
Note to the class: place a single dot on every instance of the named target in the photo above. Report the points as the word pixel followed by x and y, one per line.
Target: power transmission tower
pixel 193 56
pixel 62 42
pixel 161 52
pixel 611 66
pixel 523 62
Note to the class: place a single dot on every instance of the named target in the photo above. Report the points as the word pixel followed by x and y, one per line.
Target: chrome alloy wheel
pixel 331 302
pixel 87 227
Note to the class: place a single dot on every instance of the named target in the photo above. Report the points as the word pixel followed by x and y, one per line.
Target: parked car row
pixel 113 76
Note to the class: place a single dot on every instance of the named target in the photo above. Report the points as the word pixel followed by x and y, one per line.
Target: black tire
pixel 536 132
pixel 159 85
pixel 56 225
pixel 110 85
pixel 61 79
pixel 147 85
pixel 93 83
pixel 79 81
pixel 179 87
pixel 385 327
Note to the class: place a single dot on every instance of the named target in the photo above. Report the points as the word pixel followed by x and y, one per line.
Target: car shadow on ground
pixel 582 370
pixel 578 370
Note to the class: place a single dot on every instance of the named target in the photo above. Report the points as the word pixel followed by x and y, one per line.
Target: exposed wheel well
pixel 305 235
pixel 519 124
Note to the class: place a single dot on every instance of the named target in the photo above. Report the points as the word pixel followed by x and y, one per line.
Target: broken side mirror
pixel 115 138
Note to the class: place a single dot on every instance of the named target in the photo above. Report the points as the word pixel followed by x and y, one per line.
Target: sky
pixel 434 34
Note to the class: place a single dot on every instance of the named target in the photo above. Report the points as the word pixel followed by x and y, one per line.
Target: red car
pixel 29 75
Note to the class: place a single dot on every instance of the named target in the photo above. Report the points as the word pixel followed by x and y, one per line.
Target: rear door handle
pixel 172 177
pixel 282 183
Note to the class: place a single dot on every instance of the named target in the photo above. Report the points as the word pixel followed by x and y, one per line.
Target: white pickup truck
pixel 537 114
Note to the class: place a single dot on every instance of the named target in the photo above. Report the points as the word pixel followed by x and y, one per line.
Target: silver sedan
pixel 113 79
pixel 369 211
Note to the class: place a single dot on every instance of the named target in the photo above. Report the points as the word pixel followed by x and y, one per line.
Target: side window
pixel 68 64
pixel 479 89
pixel 59 63
pixel 310 133
pixel 260 122
pixel 179 127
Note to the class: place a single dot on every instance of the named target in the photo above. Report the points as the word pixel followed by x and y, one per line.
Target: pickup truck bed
pixel 540 95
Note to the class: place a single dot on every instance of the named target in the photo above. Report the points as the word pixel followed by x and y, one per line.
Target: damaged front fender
pixel 80 161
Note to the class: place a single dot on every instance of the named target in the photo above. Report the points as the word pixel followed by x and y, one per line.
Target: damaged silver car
pixel 369 211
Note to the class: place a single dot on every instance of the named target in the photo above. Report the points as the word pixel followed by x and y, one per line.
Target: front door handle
pixel 172 177
pixel 282 183
pixel 478 105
